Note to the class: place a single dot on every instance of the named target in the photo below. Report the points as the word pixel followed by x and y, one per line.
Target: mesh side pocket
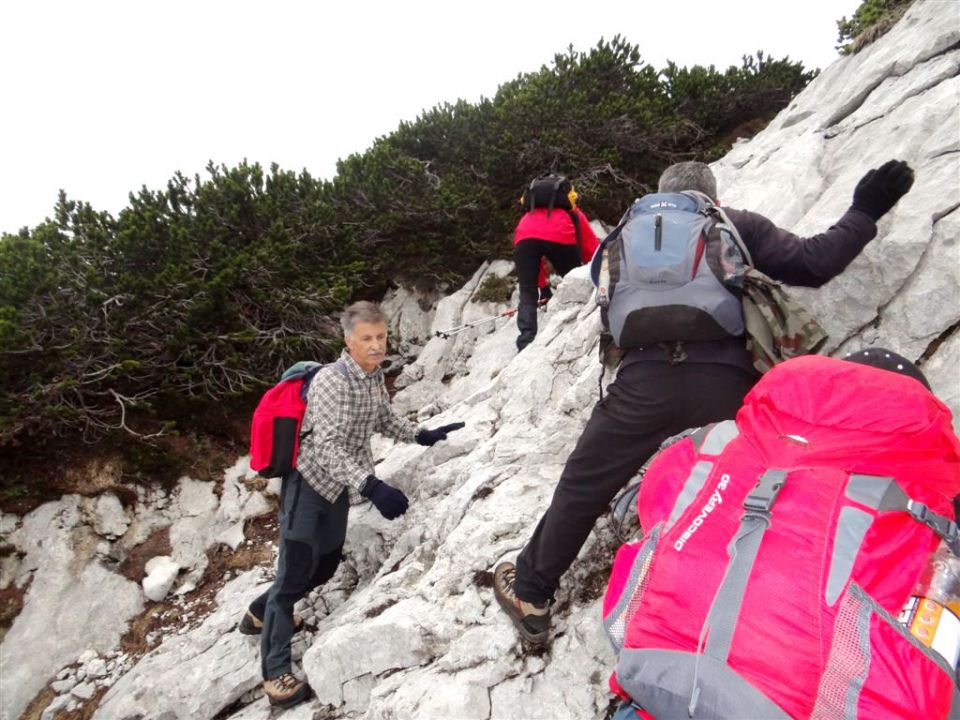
pixel 847 663
pixel 617 621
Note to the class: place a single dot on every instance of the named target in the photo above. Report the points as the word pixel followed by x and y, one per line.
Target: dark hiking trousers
pixel 312 531
pixel 527 255
pixel 647 403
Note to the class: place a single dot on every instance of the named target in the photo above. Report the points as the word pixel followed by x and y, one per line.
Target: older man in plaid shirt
pixel 347 402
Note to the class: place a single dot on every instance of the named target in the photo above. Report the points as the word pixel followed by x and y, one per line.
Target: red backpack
pixel 779 550
pixel 275 430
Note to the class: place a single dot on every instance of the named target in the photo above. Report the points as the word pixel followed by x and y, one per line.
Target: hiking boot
pixel 252 625
pixel 532 620
pixel 286 691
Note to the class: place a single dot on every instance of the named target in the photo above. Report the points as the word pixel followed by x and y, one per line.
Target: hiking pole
pixel 460 328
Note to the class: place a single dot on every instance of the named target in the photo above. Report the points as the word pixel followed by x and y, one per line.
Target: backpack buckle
pixel 918 511
pixel 676 353
pixel 764 494
pixel 946 528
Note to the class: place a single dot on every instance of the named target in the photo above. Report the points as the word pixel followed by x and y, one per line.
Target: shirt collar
pixel 354 367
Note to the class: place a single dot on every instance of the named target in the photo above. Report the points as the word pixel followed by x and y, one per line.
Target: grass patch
pixel 495 289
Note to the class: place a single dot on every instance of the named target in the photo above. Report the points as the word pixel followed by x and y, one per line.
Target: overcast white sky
pixel 104 96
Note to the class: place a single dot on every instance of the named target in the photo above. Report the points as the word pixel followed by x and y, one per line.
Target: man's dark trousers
pixel 527 256
pixel 312 531
pixel 647 403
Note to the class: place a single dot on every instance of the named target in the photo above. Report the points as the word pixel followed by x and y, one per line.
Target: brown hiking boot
pixel 252 625
pixel 286 691
pixel 532 620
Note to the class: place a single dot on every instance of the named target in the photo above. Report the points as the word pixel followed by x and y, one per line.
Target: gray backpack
pixel 672 270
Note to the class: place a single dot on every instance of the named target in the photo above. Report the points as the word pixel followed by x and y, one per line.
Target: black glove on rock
pixel 879 189
pixel 429 437
pixel 389 501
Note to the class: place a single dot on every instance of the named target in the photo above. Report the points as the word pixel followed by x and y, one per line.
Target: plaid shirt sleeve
pixel 328 414
pixel 391 424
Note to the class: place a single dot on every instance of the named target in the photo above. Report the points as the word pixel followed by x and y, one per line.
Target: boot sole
pixel 303 694
pixel 248 628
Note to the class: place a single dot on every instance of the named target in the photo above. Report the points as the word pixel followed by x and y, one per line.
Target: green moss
pixel 871 20
pixel 495 289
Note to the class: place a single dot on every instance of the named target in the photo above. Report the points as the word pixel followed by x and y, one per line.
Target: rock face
pixel 76 601
pixel 898 98
pixel 408 627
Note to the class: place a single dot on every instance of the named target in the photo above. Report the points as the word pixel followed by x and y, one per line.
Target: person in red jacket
pixel 562 236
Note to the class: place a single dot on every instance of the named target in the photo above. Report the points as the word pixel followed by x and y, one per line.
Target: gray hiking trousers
pixel 312 531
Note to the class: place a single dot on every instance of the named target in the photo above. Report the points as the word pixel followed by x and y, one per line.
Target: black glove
pixel 879 189
pixel 389 501
pixel 545 294
pixel 429 437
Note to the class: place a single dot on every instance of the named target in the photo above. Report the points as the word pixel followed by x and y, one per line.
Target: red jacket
pixel 556 226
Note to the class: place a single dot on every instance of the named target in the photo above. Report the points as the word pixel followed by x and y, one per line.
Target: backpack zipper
pixel 658 224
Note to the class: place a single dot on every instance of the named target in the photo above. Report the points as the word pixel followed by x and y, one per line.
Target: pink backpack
pixel 779 550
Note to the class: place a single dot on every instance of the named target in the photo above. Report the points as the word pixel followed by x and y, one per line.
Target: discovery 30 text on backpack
pixel 275 433
pixel 779 549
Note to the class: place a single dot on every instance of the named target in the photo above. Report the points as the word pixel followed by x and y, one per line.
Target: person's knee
pixel 295 576
pixel 327 566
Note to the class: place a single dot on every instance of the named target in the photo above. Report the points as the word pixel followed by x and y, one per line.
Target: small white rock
pixel 59 703
pixel 84 691
pixel 63 686
pixel 96 668
pixel 161 574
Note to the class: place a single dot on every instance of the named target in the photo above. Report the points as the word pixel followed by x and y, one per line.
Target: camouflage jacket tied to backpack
pixel 777 326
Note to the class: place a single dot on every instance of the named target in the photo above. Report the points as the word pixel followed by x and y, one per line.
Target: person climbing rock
pixel 552 227
pixel 659 392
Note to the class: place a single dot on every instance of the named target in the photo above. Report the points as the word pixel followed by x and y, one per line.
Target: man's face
pixel 368 344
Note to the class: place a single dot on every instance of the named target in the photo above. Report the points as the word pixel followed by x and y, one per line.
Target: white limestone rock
pixel 410 315
pixel 237 501
pixel 109 518
pixel 55 626
pixel 197 674
pixel 445 357
pixel 195 498
pixel 895 99
pixel 8 523
pixel 161 574
pixel 57 705
pixel 233 536
pixel 84 691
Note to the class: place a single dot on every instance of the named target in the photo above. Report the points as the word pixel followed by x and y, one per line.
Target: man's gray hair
pixel 690 175
pixel 361 312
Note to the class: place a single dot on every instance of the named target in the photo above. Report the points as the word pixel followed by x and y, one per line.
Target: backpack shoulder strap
pixel 709 208
pixel 866 489
pixel 576 229
pixel 308 376
pixel 734 233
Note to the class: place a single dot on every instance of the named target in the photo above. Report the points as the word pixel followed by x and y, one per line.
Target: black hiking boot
pixel 532 620
pixel 252 625
pixel 286 691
